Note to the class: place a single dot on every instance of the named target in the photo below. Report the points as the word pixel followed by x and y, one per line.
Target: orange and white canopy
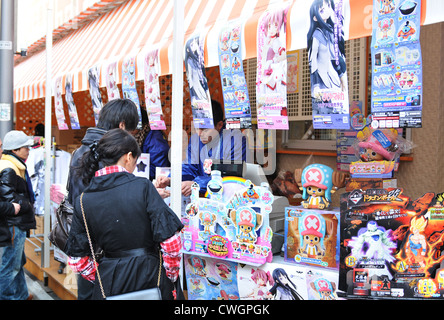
pixel 133 27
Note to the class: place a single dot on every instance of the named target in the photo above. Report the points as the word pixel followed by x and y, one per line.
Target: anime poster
pixel 271 85
pixel 72 109
pixel 234 85
pixel 396 64
pixel 328 72
pixel 197 82
pixel 391 244
pixel 293 72
pixel 322 284
pixel 111 82
pixel 129 84
pixel 272 281
pixel 94 91
pixel 210 278
pixel 59 112
pixel 152 91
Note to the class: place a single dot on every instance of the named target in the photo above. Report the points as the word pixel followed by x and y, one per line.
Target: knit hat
pixel 16 139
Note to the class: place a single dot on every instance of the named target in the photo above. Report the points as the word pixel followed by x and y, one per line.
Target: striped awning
pixel 135 26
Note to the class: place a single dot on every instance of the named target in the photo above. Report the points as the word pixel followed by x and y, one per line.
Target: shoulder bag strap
pixel 94 256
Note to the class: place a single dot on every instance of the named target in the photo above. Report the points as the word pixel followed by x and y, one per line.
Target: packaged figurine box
pixel 231 223
pixel 311 237
pixel 391 245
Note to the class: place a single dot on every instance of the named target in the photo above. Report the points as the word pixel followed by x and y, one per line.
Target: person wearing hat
pixel 16 187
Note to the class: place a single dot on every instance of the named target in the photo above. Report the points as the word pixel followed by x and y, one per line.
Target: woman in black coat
pixel 127 218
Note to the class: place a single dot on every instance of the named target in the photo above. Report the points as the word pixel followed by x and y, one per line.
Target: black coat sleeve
pixel 6 209
pixel 8 191
pixel 77 244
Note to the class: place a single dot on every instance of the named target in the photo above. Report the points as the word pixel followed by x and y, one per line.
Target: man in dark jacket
pixel 118 113
pixel 15 187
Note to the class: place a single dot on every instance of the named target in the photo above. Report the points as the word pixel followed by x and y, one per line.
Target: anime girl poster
pixel 152 91
pixel 94 91
pixel 234 86
pixel 271 85
pixel 129 84
pixel 328 72
pixel 210 278
pixel 111 82
pixel 59 112
pixel 197 82
pixel 272 281
pixel 72 109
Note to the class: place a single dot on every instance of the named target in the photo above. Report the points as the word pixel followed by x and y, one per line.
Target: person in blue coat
pixel 206 147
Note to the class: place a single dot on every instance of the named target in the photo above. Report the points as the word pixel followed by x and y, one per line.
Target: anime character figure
pixel 407 32
pixel 261 279
pixel 198 264
pixel 194 62
pixel 312 231
pixel 247 222
pixel 416 244
pixel 377 145
pixel 387 6
pixel 324 288
pixel 251 195
pixel 317 185
pixel 373 242
pixel 207 219
pixel 283 288
pixel 385 26
pixel 273 53
pixel 326 55
pixel 223 270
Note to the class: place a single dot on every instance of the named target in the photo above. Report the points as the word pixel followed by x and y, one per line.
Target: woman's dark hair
pixel 107 152
pixel 116 111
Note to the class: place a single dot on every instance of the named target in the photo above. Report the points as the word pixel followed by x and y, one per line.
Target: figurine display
pixel 231 223
pixel 311 237
pixel 391 245
pixel 317 182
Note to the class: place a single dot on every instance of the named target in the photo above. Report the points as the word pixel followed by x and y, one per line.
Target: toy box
pixel 232 223
pixel 311 237
pixel 391 245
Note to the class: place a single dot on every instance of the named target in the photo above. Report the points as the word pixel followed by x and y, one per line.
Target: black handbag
pixel 146 294
pixel 59 233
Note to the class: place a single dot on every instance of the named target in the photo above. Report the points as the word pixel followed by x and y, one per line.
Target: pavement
pixel 38 289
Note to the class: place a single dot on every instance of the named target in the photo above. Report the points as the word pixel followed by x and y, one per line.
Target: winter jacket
pixel 124 212
pixel 156 145
pixel 6 210
pixel 76 185
pixel 14 188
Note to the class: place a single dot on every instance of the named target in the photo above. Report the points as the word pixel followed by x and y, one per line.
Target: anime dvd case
pixel 391 245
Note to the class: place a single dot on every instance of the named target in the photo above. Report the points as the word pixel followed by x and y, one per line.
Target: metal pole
pixel 6 67
pixel 48 134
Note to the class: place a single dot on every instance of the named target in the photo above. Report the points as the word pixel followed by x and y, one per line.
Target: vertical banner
pixel 396 64
pixel 293 72
pixel 197 82
pixel 111 83
pixel 129 84
pixel 58 105
pixel 152 91
pixel 234 85
pixel 328 73
pixel 271 86
pixel 94 91
pixel 72 109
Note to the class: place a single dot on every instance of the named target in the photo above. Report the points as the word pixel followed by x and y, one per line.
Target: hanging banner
pixel 59 112
pixel 129 84
pixel 293 72
pixel 72 109
pixel 271 86
pixel 152 91
pixel 111 83
pixel 326 57
pixel 94 91
pixel 396 64
pixel 234 85
pixel 197 82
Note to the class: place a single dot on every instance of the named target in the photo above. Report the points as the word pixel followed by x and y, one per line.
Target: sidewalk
pixel 38 290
